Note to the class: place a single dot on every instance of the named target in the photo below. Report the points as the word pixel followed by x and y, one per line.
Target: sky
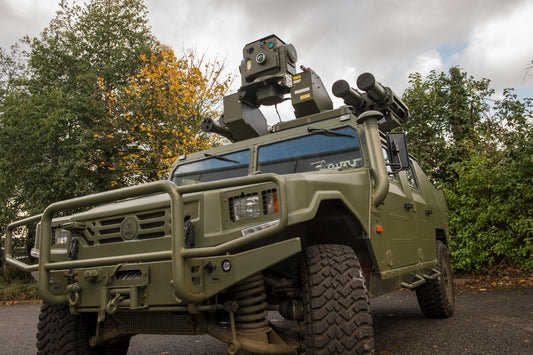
pixel 339 39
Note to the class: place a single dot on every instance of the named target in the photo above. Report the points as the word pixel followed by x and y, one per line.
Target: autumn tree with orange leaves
pixel 158 114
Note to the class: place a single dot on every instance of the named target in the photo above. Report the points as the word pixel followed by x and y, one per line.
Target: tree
pixel 97 104
pixel 12 68
pixel 482 150
pixel 51 105
pixel 105 40
pixel 446 111
pixel 158 114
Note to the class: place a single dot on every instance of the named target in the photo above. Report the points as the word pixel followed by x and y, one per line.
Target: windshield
pixel 216 167
pixel 324 150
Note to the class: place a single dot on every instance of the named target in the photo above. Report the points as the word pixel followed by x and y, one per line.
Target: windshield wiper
pixel 219 157
pixel 328 132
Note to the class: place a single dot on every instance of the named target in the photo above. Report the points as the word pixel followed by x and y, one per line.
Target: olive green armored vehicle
pixel 272 244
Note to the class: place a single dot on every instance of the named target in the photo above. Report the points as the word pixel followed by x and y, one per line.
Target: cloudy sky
pixel 339 38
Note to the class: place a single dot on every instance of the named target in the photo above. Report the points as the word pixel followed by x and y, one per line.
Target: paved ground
pixel 493 321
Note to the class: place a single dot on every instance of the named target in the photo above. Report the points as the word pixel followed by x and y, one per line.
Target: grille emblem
pixel 129 228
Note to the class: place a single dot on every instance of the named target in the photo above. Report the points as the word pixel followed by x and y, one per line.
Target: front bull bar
pixel 178 252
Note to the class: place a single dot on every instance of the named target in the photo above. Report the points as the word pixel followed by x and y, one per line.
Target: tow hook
pixel 73 294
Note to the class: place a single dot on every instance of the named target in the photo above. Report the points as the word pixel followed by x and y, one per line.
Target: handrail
pixel 10 259
pixel 178 252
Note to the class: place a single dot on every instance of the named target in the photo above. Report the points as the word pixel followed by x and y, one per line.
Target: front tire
pixel 59 332
pixel 336 309
pixel 437 297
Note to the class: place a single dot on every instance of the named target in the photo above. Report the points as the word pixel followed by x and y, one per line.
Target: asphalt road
pixel 494 321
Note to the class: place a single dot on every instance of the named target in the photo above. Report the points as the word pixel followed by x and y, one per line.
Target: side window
pixel 411 177
pixel 389 169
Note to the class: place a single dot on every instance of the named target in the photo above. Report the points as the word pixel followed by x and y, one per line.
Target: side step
pixel 422 279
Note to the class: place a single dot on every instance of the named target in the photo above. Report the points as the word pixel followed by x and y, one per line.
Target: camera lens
pixel 291 52
pixel 261 58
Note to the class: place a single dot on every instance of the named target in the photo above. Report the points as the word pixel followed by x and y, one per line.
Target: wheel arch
pixel 334 223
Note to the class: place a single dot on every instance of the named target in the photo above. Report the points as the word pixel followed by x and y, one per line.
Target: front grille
pixel 146 225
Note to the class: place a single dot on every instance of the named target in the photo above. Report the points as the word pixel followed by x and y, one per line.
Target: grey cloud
pixel 337 38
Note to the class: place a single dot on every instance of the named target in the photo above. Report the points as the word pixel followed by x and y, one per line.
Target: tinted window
pixel 389 169
pixel 313 152
pixel 212 169
pixel 411 177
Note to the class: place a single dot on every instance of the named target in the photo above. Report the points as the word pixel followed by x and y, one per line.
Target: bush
pixel 491 213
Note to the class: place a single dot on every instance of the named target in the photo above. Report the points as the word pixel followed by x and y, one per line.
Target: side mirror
pixel 397 151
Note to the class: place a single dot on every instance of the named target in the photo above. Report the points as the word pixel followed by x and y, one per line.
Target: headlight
pixel 253 205
pixel 244 206
pixel 60 237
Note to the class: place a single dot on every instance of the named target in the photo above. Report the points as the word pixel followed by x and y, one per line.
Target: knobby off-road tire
pixel 337 314
pixel 437 297
pixel 59 332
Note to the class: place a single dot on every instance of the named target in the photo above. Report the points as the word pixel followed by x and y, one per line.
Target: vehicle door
pixel 397 217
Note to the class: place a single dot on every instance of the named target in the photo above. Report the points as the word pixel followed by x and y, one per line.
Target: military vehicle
pixel 308 218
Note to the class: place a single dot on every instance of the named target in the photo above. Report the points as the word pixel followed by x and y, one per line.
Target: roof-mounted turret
pixel 374 97
pixel 268 73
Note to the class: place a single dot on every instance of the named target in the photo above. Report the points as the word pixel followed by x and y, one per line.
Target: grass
pixel 16 285
pixel 18 290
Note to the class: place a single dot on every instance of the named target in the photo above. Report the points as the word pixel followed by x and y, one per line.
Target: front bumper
pixel 182 260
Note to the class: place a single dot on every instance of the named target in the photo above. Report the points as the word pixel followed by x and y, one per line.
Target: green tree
pixel 104 39
pixel 480 151
pixel 93 108
pixel 49 121
pixel 51 107
pixel 446 111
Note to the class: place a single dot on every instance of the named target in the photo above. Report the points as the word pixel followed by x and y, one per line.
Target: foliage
pixel 96 103
pixel 104 38
pixel 48 116
pixel 17 290
pixel 482 153
pixel 11 69
pixel 447 110
pixel 159 112
pixel 490 218
pixel 51 104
